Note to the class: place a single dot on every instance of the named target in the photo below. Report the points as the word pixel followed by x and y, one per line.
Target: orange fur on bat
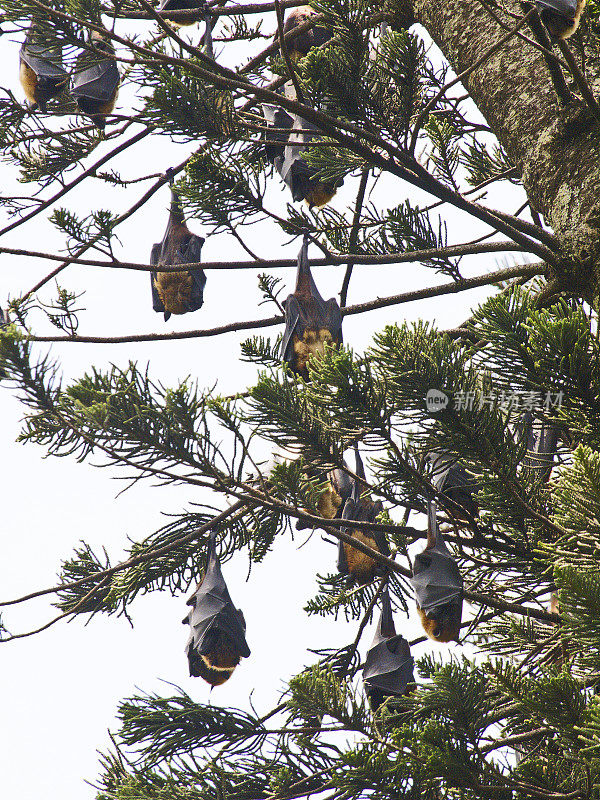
pixel 361 566
pixel 174 289
pixel 320 195
pixel 312 343
pixel 445 627
pixel 558 26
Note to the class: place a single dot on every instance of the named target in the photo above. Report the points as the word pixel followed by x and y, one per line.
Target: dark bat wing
pixel 44 61
pixel 452 480
pixel 213 612
pixel 292 317
pixel 98 81
pixel 436 579
pixel 274 143
pixel 389 666
pixel 190 254
pixel 156 301
pixel 541 440
pixel 333 319
pixel 565 8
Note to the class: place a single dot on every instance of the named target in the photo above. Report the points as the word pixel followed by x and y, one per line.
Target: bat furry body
pixel 438 585
pixel 331 502
pixel 217 640
pixel 561 17
pixel 300 44
pixel 41 73
pixel 96 81
pixel 359 566
pixel 389 666
pixel 311 323
pixel 177 292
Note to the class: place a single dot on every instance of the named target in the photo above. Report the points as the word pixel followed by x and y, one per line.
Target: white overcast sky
pixel 60 689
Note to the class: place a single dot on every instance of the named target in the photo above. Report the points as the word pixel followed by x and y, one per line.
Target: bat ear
pixel 167 315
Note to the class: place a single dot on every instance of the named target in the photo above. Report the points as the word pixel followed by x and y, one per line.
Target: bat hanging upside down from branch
pixel 311 323
pixel 332 500
pixel 389 666
pixel 41 72
pixel 353 562
pixel 438 585
pixel 217 640
pixel 177 292
pixel 95 83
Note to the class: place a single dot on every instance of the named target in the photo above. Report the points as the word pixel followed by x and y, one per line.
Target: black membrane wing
pixel 275 142
pixel 292 318
pixel 213 614
pixel 542 445
pixel 98 81
pixel 389 666
pixel 44 61
pixel 565 8
pixel 191 254
pixel 436 579
pixel 157 304
pixel 452 480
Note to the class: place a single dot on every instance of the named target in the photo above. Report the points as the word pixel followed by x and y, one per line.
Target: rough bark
pixel 557 149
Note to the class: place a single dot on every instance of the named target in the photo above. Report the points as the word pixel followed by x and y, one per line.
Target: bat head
pixel 300 44
pixel 102 43
pixel 319 194
pixel 442 623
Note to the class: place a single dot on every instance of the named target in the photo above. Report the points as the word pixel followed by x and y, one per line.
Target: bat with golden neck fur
pixel 311 323
pixel 177 292
pixel 438 585
pixel 41 72
pixel 217 639
pixel 95 82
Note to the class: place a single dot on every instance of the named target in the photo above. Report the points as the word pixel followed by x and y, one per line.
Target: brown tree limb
pixel 407 297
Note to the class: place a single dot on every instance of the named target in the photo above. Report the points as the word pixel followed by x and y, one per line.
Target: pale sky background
pixel 60 689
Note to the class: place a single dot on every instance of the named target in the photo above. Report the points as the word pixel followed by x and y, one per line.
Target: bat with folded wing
pixel 41 72
pixel 311 323
pixel 438 585
pixel 360 507
pixel 95 82
pixel 177 292
pixel 217 640
pixel 389 666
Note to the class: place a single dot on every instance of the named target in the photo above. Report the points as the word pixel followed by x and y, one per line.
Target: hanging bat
pixel 218 630
pixel 284 150
pixel 359 566
pixel 177 292
pixel 331 502
pixel 561 17
pixel 389 666
pixel 41 72
pixel 452 481
pixel 542 443
pixel 311 323
pixel 438 585
pixel 182 5
pixel 96 79
pixel 299 45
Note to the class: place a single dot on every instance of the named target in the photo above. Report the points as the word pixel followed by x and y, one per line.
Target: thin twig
pixel 353 238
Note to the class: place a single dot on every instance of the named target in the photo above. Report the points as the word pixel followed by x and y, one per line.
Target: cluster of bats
pixel 217 639
pixel 94 83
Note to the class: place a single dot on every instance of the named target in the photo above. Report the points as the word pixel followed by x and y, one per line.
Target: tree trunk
pixel 557 149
